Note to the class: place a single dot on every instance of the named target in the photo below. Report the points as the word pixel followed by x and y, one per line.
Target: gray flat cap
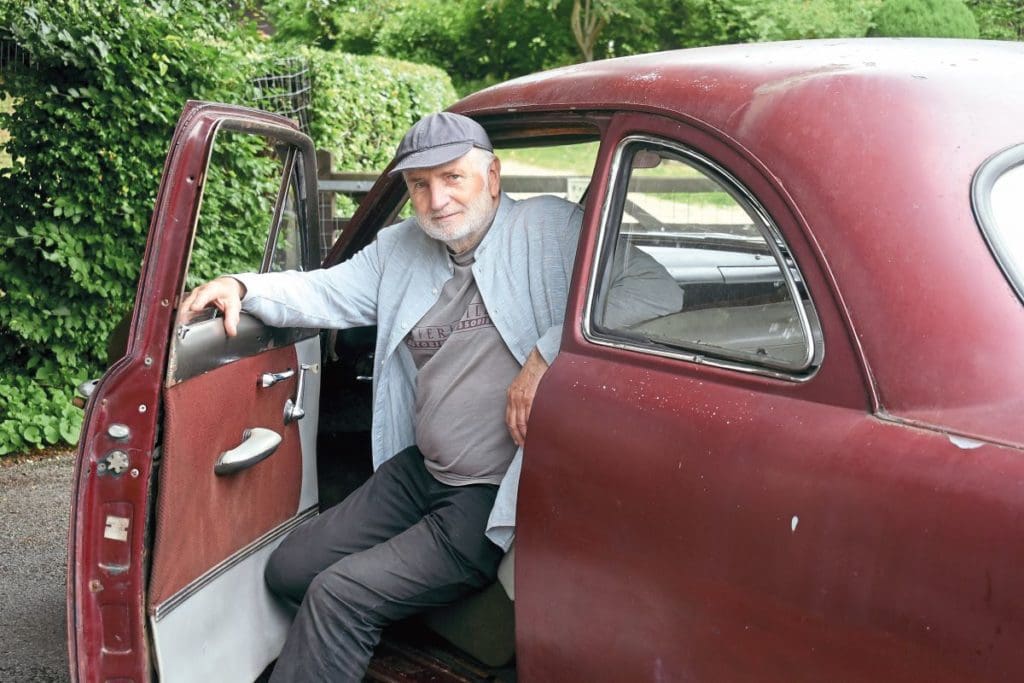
pixel 437 139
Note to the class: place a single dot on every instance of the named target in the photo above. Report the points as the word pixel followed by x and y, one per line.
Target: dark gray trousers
pixel 401 543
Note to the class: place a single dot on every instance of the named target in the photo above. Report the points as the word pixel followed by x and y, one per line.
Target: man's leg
pixel 436 561
pixel 389 502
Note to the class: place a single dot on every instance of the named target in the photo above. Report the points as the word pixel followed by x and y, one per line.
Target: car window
pixel 691 264
pixel 562 170
pixel 238 230
pixel 1004 222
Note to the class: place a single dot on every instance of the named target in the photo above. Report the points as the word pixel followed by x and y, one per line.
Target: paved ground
pixel 34 499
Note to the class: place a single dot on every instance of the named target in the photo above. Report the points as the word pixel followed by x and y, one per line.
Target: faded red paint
pixel 685 522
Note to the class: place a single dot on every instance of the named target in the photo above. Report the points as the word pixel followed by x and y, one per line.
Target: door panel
pixel 203 517
pixel 210 617
pixel 676 463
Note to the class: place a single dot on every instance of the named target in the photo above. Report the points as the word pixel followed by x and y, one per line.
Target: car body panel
pixel 695 523
pixel 831 120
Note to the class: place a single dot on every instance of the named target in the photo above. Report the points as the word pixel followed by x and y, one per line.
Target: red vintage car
pixel 812 471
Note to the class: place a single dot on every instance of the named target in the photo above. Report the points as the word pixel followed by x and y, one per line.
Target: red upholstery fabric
pixel 201 519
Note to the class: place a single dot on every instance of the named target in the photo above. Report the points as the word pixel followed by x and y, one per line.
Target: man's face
pixel 455 202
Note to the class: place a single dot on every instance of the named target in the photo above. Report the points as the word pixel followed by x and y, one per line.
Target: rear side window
pixel 999 205
pixel 690 266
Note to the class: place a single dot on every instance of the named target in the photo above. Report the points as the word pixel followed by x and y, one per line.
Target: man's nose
pixel 438 196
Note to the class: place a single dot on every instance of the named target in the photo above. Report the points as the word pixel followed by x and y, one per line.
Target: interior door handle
pixel 269 379
pixel 257 444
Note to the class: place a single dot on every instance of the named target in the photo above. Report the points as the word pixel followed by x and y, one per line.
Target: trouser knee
pixel 282 579
pixel 346 599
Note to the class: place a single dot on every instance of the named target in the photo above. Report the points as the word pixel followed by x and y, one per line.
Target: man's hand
pixel 225 293
pixel 520 396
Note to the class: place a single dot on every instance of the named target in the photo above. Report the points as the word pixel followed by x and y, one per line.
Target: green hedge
pixel 88 135
pixel 362 106
pixel 925 18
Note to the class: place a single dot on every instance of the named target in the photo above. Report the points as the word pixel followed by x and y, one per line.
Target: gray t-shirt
pixel 464 370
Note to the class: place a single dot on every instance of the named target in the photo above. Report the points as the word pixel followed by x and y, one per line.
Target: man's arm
pixel 520 395
pixel 344 295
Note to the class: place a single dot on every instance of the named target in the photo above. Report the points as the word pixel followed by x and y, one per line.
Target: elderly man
pixel 468 298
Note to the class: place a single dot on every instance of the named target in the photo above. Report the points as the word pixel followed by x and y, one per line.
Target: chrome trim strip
pixel 176 600
pixel 773 239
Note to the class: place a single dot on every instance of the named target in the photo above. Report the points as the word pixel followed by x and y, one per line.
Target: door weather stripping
pixel 257 444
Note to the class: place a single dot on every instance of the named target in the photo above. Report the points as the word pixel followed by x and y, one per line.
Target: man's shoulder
pixel 545 204
pixel 545 216
pixel 398 231
pixel 406 234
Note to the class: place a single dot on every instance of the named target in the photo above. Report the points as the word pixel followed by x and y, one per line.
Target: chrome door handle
pixel 293 410
pixel 269 379
pixel 257 444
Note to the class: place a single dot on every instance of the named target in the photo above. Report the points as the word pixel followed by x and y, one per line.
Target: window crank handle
pixel 293 410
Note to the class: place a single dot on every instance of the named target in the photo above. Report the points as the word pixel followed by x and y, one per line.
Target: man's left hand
pixel 520 395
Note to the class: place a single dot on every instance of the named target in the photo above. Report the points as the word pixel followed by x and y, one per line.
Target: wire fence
pixel 11 54
pixel 285 89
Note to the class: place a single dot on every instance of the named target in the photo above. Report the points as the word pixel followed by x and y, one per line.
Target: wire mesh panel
pixel 285 89
pixel 10 53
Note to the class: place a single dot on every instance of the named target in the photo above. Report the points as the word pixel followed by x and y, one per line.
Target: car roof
pixel 875 143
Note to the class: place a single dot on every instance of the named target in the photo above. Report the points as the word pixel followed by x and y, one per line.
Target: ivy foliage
pixel 88 133
pixel 89 125
pixel 935 18
pixel 362 106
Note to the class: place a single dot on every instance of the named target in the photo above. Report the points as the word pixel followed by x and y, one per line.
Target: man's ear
pixel 494 176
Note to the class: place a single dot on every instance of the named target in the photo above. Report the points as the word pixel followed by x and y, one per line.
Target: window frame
pixel 607 238
pixel 994 168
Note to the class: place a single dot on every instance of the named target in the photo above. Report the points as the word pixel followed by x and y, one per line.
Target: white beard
pixel 476 218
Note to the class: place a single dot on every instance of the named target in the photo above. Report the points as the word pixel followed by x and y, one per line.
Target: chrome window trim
pixel 982 184
pixel 168 605
pixel 773 238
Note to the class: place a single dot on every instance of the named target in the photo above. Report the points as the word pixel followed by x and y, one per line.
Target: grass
pixel 564 159
pixel 579 160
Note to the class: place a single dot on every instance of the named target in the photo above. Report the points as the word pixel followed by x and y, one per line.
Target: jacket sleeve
pixel 344 295
pixel 565 240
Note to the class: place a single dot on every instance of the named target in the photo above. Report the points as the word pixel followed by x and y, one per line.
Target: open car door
pixel 198 450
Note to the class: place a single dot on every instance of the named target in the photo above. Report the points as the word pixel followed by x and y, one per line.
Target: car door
pixel 198 450
pixel 669 497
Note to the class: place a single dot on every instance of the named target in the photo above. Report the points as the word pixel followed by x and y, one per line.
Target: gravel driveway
pixel 34 500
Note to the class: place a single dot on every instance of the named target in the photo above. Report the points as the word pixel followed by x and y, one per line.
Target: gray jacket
pixel 523 268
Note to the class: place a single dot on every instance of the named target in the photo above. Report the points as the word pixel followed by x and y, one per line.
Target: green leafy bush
pixel 999 19
pixel 474 42
pixel 88 133
pixel 89 129
pixel 924 18
pixel 362 106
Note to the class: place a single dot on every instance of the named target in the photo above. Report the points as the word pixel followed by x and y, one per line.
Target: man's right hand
pixel 224 293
